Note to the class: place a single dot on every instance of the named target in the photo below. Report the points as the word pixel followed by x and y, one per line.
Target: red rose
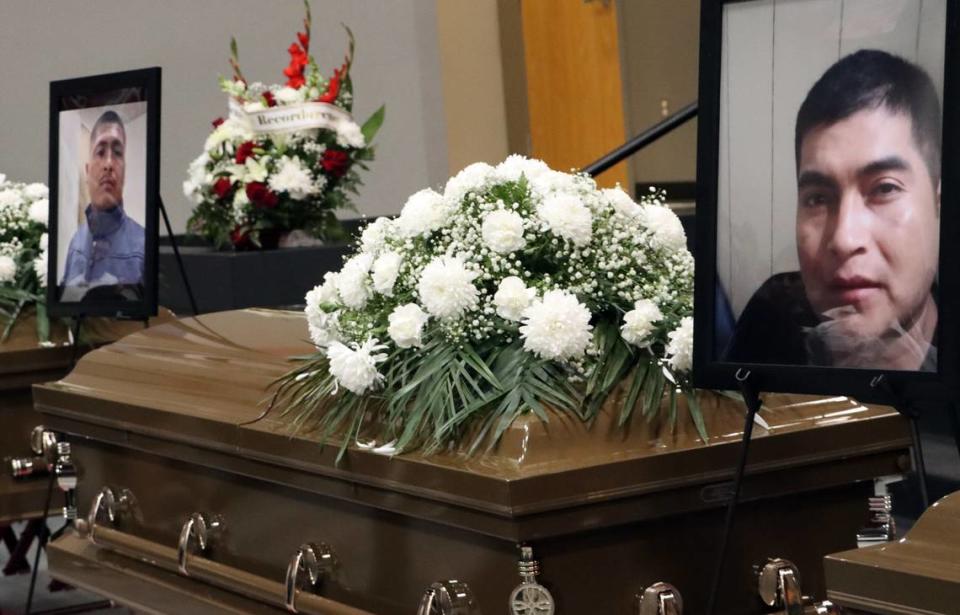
pixel 270 100
pixel 335 162
pixel 222 187
pixel 245 151
pixel 216 123
pixel 240 238
pixel 333 88
pixel 261 196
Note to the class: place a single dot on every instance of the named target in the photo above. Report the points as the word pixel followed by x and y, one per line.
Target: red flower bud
pixel 216 123
pixel 304 41
pixel 222 188
pixel 270 100
pixel 244 151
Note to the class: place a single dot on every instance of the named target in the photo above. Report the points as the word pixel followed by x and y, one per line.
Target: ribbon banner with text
pixel 290 118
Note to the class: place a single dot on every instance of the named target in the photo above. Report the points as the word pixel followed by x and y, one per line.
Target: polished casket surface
pixel 176 416
pixel 918 574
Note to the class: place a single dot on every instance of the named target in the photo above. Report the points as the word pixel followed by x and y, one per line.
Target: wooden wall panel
pixel 574 87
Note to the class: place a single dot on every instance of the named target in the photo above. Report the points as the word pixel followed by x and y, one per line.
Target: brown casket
pixel 919 574
pixel 23 363
pixel 170 420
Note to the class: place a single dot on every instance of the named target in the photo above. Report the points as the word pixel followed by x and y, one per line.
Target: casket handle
pixel 779 586
pixel 316 560
pixel 660 599
pixel 110 503
pixel 447 598
pixel 204 528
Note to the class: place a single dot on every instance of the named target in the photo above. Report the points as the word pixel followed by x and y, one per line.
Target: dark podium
pixel 198 503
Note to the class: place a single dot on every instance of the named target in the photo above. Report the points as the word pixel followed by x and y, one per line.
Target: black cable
pixel 41 538
pixel 176 254
pixel 751 398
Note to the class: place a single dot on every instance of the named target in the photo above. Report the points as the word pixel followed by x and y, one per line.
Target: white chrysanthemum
pixel 230 130
pixel 288 95
pixel 425 211
pixel 556 327
pixel 665 225
pixel 385 271
pixel 566 216
pixel 446 287
pixel 253 107
pixel 44 241
pixel 473 177
pixel 512 298
pixel 8 269
pixel 356 369
pixel 516 165
pixel 10 197
pixel 353 282
pixel 680 347
pixel 406 325
pixel 328 290
pixel 293 178
pixel 502 231
pixel 40 266
pixel 36 190
pixel 349 135
pixel 323 325
pixel 621 202
pixel 638 323
pixel 551 182
pixel 40 211
pixel 374 235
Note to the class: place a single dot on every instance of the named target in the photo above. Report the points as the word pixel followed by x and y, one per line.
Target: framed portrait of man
pixel 104 173
pixel 825 195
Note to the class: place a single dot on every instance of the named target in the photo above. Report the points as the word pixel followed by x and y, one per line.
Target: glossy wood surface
pixel 918 574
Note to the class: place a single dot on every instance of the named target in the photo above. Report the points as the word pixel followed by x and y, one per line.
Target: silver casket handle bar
pixel 200 568
pixel 313 561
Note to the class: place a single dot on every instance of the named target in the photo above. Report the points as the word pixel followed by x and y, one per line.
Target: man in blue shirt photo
pixel 108 248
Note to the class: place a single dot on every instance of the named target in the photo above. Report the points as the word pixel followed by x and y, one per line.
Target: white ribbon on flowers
pixel 290 118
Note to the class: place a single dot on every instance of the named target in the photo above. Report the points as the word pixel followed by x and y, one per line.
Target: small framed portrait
pixel 826 206
pixel 104 187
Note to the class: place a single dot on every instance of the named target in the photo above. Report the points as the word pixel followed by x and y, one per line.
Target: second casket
pixel 198 502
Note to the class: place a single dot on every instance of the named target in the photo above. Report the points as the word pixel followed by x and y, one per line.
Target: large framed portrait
pixel 826 206
pixel 104 186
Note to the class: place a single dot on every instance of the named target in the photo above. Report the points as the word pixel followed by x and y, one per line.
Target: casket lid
pixel 197 388
pixel 919 573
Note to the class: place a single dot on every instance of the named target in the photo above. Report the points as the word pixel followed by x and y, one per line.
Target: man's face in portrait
pixel 867 222
pixel 106 166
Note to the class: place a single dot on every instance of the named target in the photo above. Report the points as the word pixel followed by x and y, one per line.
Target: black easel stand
pixel 751 397
pixel 176 254
pixel 910 411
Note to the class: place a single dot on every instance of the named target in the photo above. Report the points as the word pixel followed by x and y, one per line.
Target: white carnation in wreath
pixel 323 326
pixel 665 225
pixel 374 235
pixel 355 368
pixel 385 271
pixel 446 287
pixel 621 202
pixel 566 216
pixel 556 327
pixel 350 135
pixel 472 178
pixel 640 323
pixel 680 347
pixel 406 325
pixel 8 269
pixel 512 298
pixel 515 166
pixel 40 211
pixel 36 190
pixel 502 231
pixel 353 281
pixel 425 211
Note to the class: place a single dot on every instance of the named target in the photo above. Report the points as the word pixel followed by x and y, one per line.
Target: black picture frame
pixel 869 385
pixel 142 85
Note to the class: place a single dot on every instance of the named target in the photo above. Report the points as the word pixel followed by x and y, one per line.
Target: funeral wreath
pixel 23 254
pixel 515 289
pixel 285 159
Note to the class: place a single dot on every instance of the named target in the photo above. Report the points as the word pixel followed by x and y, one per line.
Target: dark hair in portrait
pixel 868 79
